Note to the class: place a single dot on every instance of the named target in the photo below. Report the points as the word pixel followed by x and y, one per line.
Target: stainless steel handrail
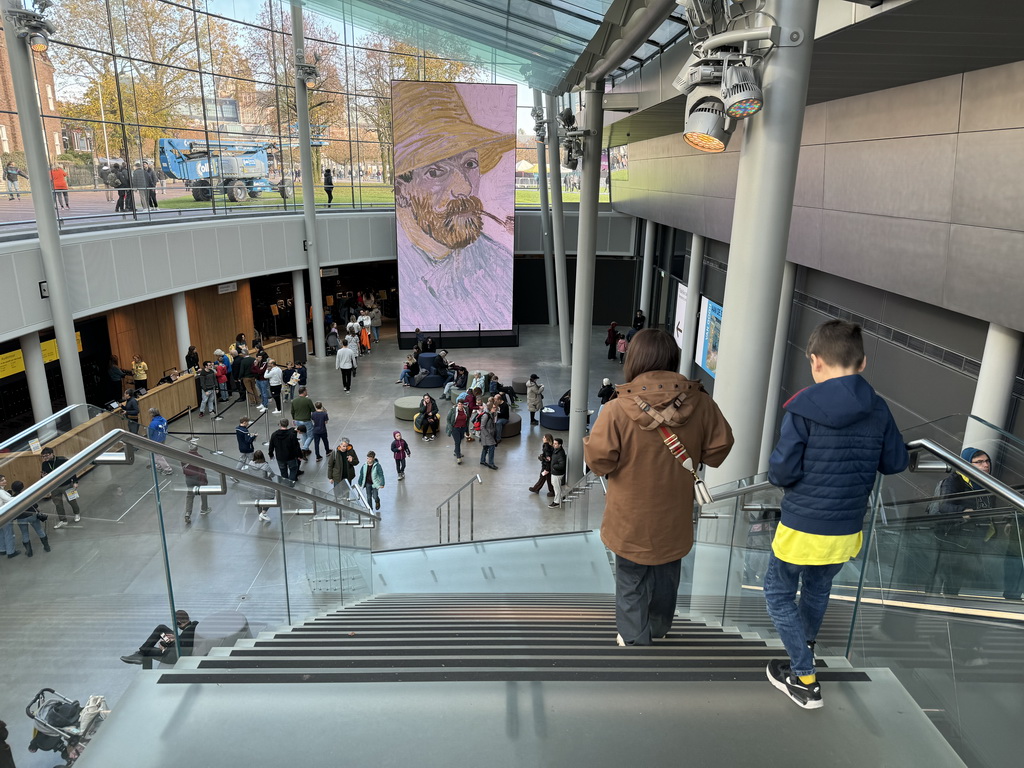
pixel 458 519
pixel 923 444
pixel 36 427
pixel 100 450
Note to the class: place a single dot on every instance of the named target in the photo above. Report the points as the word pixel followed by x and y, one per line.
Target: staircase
pixel 506 680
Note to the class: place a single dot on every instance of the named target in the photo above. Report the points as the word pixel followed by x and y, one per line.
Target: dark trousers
pixel 541 481
pixel 400 464
pixel 318 438
pixel 275 392
pixel 645 599
pixel 346 378
pixel 149 648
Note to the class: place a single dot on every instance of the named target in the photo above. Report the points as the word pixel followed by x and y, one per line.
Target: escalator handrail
pixel 984 479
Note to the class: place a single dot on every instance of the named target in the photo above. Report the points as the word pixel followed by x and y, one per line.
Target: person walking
pixel 208 386
pixel 329 185
pixel 371 480
pixel 341 468
pixel 302 414
pixel 157 432
pixel 401 452
pixel 246 440
pixel 534 397
pixel 345 361
pixel 648 523
pixel 68 489
pixel 610 340
pixel 457 425
pixel 195 476
pixel 284 446
pixel 376 321
pixel 319 419
pixel 11 174
pixel 546 449
pixel 558 466
pixel 30 518
pixel 275 379
pixel 59 178
pixel 488 436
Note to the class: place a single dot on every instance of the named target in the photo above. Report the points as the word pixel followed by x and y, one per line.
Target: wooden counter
pixel 25 465
pixel 170 399
pixel 283 351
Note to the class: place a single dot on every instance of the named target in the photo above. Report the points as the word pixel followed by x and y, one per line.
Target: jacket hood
pixel 968 454
pixel 659 389
pixel 835 403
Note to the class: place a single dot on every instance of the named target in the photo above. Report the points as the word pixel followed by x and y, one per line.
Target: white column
pixel 32 134
pixel 760 235
pixel 309 185
pixel 586 265
pixel 558 230
pixel 771 409
pixel 181 331
pixel 647 268
pixel 994 392
pixel 35 375
pixel 693 280
pixel 545 210
pixel 299 298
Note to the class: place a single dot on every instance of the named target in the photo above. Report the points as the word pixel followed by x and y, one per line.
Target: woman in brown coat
pixel 648 520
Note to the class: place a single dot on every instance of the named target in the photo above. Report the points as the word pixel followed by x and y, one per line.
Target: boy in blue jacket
pixel 835 436
pixel 246 439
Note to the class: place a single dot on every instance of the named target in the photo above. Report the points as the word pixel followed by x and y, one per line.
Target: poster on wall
pixel 677 330
pixel 454 204
pixel 709 332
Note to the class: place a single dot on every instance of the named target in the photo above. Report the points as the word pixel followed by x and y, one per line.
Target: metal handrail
pixel 35 427
pixel 99 453
pixel 922 444
pixel 458 513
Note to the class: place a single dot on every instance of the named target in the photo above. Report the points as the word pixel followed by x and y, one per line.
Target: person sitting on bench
pixel 159 646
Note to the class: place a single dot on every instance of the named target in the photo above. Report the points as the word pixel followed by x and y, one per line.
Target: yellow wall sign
pixel 13 362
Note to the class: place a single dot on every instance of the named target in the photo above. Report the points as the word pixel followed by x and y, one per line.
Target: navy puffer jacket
pixel 835 436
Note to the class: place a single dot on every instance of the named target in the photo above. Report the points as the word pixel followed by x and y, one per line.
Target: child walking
pixel 621 346
pixel 401 450
pixel 836 434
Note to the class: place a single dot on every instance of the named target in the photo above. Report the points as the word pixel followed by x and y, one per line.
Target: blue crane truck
pixel 236 169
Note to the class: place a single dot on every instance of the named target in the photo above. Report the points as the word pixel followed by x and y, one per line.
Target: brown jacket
pixel 648 514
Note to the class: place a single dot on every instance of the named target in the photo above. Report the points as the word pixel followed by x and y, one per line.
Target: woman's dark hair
pixel 651 350
pixel 16 487
pixel 240 338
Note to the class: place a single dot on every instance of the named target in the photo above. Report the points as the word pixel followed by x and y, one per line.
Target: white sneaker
pixel 275 411
pixel 619 641
pixel 78 518
pixel 219 418
pixel 264 517
pixel 60 524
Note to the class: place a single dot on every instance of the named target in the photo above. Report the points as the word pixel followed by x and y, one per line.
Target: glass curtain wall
pixel 154 110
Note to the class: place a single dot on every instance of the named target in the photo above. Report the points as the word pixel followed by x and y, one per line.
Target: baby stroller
pixel 63 725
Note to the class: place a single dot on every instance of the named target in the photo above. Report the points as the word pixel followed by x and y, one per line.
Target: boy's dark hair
pixel 651 350
pixel 244 420
pixel 836 342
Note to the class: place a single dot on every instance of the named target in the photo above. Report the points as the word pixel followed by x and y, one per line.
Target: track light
pixel 741 93
pixel 38 42
pixel 707 128
pixel 308 74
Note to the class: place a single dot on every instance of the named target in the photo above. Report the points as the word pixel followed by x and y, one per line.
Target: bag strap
pixel 674 444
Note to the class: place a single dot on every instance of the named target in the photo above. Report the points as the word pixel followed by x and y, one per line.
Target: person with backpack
pixel 157 432
pixel 401 451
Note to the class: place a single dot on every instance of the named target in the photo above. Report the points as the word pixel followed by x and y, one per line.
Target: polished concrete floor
pixel 69 614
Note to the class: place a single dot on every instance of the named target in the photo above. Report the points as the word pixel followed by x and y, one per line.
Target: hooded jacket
pixel 648 514
pixel 835 436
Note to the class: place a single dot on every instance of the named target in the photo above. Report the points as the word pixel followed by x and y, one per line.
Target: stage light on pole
pixel 707 127
pixel 741 93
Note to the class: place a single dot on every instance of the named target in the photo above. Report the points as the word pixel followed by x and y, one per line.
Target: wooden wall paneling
pixel 215 319
pixel 146 328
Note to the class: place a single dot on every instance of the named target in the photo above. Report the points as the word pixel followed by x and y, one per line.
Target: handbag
pixel 701 494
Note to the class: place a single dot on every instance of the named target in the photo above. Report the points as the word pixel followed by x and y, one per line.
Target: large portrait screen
pixel 455 204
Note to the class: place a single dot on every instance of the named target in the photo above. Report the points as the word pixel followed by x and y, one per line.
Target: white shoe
pixel 261 408
pixel 275 411
pixel 619 641
pixel 60 524
pixel 264 517
pixel 219 418
pixel 78 518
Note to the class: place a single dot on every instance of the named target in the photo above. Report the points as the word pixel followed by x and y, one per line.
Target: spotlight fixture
pixel 308 74
pixel 573 150
pixel 567 119
pixel 31 26
pixel 741 92
pixel 707 128
pixel 539 128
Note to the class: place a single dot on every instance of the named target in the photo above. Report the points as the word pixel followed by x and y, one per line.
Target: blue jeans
pixel 264 387
pixel 308 439
pixel 405 377
pixel 37 526
pixel 7 532
pixel 209 397
pixel 487 455
pixel 798 623
pixel 458 433
pixel 375 330
pixel 499 426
